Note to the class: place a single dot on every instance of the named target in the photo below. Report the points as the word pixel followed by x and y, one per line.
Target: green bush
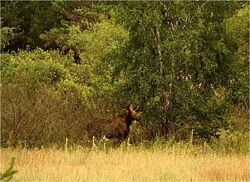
pixel 47 98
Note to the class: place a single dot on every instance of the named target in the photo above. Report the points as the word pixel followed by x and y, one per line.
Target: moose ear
pixel 136 109
pixel 130 107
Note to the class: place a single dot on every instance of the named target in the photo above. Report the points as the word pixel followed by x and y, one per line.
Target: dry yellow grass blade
pixel 130 165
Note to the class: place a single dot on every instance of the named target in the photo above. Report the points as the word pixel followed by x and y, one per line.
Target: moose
pixel 117 128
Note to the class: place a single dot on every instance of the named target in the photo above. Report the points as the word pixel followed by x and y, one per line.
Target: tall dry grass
pixel 125 165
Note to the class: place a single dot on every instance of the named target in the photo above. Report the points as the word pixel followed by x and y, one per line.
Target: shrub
pixel 231 142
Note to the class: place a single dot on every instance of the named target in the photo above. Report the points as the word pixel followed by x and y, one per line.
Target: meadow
pixel 126 164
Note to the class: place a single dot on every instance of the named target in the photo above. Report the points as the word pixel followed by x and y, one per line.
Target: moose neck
pixel 128 120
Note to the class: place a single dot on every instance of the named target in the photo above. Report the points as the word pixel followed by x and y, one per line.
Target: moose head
pixel 133 114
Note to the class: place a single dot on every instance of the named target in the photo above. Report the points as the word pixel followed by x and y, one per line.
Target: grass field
pixel 125 165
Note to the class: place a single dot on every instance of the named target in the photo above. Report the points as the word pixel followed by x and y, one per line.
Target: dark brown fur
pixel 116 128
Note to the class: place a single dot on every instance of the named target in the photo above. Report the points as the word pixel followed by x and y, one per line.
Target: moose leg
pixel 109 135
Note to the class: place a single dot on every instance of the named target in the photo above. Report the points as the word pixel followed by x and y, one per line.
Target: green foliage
pixel 177 56
pixel 6 35
pixel 184 63
pixel 237 32
pixel 38 66
pixel 45 87
pixel 237 26
pixel 41 88
pixel 30 20
pixel 9 173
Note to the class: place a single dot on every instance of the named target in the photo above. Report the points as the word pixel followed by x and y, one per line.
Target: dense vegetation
pixel 66 64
